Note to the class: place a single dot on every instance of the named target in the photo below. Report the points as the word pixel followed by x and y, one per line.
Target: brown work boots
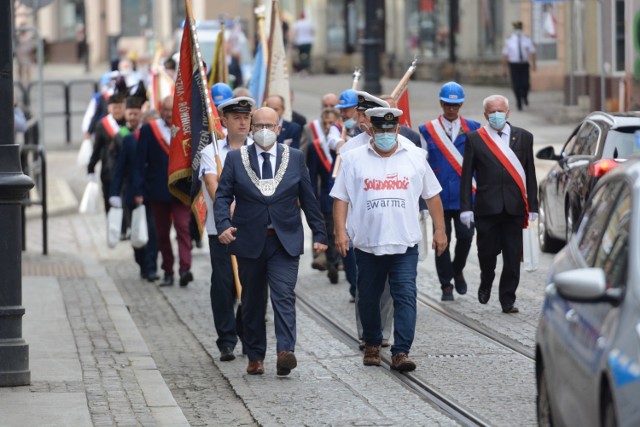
pixel 371 355
pixel 401 362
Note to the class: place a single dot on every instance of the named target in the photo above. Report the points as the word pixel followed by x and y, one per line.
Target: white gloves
pixel 533 216
pixel 115 201
pixel 91 177
pixel 466 218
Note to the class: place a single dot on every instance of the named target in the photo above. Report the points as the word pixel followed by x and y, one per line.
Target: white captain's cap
pixel 384 118
pixel 367 101
pixel 241 104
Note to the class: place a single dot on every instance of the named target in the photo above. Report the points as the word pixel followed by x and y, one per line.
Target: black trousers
pixel 496 234
pixel 445 266
pixel 520 81
pixel 223 294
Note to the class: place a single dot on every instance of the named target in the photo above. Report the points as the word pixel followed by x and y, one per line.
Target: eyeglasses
pixel 260 126
pixel 453 106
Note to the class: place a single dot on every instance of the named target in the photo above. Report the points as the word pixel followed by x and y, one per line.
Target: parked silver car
pixel 588 337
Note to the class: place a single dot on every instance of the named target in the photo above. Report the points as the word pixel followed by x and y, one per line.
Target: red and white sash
pixel 162 134
pixel 110 125
pixel 446 146
pixel 510 161
pixel 320 145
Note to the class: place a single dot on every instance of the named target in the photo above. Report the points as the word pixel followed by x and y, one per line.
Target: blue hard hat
pixel 221 92
pixel 452 93
pixel 348 98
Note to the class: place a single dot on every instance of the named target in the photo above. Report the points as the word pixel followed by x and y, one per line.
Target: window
pixel 594 220
pixel 569 146
pixel 137 16
pixel 545 30
pixel 613 251
pixel 620 143
pixel 491 33
pixel 428 28
pixel 586 140
pixel 71 14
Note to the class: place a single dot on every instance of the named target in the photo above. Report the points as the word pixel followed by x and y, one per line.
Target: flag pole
pixel 354 85
pixel 270 44
pixel 404 81
pixel 203 75
pixel 214 141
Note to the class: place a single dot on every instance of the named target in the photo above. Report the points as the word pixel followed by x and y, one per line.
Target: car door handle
pixel 571 316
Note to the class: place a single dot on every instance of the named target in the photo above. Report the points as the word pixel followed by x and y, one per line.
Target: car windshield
pixel 621 143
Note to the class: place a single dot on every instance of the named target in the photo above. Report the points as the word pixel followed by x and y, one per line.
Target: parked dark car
pixel 601 142
pixel 588 335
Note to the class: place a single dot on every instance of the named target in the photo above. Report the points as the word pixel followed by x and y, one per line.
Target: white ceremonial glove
pixel 533 216
pixel 115 201
pixel 91 177
pixel 466 218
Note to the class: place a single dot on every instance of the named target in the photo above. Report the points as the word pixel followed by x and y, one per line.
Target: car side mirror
pixel 586 285
pixel 547 153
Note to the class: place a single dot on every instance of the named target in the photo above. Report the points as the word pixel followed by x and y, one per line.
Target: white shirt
pixel 273 152
pixel 513 45
pixel 383 194
pixel 208 166
pixel 504 138
pixel 451 128
pixel 302 32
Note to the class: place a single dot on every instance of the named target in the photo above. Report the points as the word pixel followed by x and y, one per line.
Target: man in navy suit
pixel 501 158
pixel 290 132
pixel 267 180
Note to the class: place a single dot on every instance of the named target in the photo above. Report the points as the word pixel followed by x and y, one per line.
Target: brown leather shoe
pixel 402 362
pixel 371 355
pixel 286 362
pixel 256 367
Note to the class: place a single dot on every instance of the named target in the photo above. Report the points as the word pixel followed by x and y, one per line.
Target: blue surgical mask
pixel 385 141
pixel 497 120
pixel 349 123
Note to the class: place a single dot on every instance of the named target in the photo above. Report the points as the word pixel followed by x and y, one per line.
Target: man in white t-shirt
pixel 236 118
pixel 382 182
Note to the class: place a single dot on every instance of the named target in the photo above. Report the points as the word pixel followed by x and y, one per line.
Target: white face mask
pixel 264 137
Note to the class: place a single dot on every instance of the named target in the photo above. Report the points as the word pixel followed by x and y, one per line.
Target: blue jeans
pixel 401 271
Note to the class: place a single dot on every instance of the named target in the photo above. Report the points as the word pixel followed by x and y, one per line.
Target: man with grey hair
pixel 500 156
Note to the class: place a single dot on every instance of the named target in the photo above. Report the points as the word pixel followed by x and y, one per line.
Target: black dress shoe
pixel 333 275
pixel 447 293
pixel 152 277
pixel 166 281
pixel 461 284
pixel 226 354
pixel 484 295
pixel 185 278
pixel 510 309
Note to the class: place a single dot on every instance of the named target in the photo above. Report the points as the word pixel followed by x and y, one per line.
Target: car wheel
pixel 547 243
pixel 543 400
pixel 608 411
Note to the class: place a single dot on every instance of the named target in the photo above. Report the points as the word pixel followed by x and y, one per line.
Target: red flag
pixel 403 104
pixel 190 130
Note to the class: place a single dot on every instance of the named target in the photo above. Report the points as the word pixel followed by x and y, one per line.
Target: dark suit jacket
pixel 253 210
pixel 151 171
pixel 321 179
pixel 496 189
pixel 298 118
pixel 290 131
pixel 122 175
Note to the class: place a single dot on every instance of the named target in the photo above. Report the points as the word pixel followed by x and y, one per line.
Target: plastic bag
pixel 114 226
pixel 530 247
pixel 84 154
pixel 139 230
pixel 90 202
pixel 423 244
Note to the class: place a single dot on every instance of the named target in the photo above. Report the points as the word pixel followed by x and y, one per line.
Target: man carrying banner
pixel 501 157
pixel 236 118
pixel 381 183
pixel 444 139
pixel 339 134
pixel 150 180
pixel 267 181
